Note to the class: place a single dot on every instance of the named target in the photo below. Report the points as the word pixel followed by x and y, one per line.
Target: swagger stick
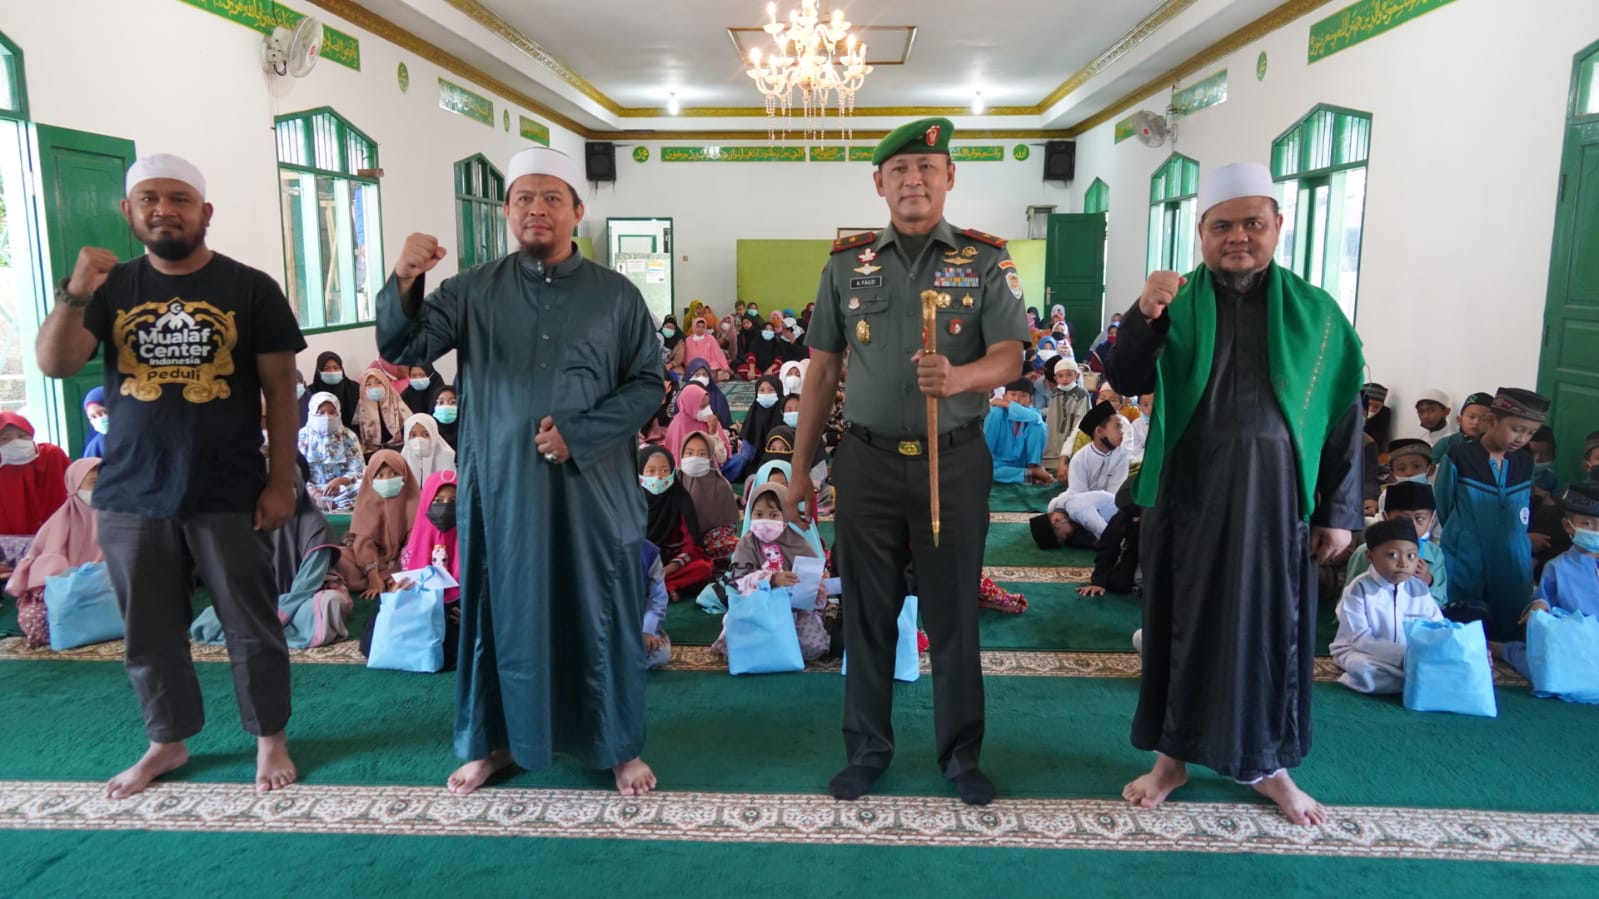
pixel 929 348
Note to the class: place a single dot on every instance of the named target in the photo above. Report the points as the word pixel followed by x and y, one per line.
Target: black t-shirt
pixel 181 385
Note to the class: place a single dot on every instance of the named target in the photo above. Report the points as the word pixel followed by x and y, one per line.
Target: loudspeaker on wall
pixel 600 160
pixel 1060 160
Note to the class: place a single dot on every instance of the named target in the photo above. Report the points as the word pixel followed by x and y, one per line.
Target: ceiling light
pixel 815 57
pixel 977 103
pixel 671 103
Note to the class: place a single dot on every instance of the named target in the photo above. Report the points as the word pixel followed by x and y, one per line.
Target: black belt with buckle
pixel 916 446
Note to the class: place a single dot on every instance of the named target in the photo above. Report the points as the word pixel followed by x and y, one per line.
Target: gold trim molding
pixel 486 17
pixel 1135 36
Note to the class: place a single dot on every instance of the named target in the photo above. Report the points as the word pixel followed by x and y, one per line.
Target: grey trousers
pixel 152 563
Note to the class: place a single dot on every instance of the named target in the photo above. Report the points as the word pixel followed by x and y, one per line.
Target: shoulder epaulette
pixel 985 237
pixel 854 240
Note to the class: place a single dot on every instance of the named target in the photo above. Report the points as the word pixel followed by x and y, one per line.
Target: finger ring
pixel 549 457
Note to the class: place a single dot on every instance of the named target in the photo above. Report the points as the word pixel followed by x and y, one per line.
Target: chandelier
pixel 814 58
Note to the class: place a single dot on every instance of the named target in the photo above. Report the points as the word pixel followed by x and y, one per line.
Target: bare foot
pixel 1296 804
pixel 274 770
pixel 1152 789
pixel 474 774
pixel 634 778
pixel 159 759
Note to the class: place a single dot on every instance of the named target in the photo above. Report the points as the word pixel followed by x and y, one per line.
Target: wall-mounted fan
pixel 1150 128
pixel 293 51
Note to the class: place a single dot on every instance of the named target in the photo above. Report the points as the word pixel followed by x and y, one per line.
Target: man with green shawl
pixel 559 367
pixel 1251 478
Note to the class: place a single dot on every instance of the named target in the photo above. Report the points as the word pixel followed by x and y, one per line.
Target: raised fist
pixel 93 267
pixel 419 255
pixel 1158 293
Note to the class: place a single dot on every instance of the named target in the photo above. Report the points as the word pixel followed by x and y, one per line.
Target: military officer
pixel 869 303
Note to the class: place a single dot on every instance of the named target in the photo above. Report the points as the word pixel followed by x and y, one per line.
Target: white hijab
pixel 439 456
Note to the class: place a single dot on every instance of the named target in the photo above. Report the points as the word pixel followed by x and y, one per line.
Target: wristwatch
pixel 63 297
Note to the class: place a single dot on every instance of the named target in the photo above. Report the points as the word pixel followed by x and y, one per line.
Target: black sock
pixel 974 787
pixel 853 782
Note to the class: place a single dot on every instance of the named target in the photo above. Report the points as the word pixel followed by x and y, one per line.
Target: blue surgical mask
pixel 767 400
pixel 388 488
pixel 766 335
pixel 299 391
pixel 1414 479
pixel 669 332
pixel 656 486
pixel 420 383
pixel 100 424
pixel 1541 467
pixel 791 419
pixel 1587 541
pixel 332 378
pixel 375 394
pixel 445 414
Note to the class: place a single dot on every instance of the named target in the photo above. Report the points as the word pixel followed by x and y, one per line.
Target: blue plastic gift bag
pixel 81 607
pixel 760 634
pixel 1563 655
pixel 907 660
pixel 1447 668
pixel 408 634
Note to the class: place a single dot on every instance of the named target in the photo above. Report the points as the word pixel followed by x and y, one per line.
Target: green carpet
pixel 1022 497
pixel 52 864
pixel 1047 738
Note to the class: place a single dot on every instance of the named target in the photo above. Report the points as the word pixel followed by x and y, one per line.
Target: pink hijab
pixel 67 539
pixel 424 536
pixel 684 423
pixel 707 349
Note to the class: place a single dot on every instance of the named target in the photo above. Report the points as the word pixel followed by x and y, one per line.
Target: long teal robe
pixel 551 657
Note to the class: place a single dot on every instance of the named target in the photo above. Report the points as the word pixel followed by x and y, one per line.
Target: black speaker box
pixel 600 160
pixel 1060 160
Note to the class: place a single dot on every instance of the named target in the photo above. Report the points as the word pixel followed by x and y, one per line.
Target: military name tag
pixel 863 283
pixel 863 331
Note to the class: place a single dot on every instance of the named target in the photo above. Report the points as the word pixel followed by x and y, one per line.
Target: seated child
pixel 715 506
pixel 1548 529
pixel 696 415
pixel 1379 418
pixel 99 422
pixel 1545 483
pixel 1370 645
pixel 67 539
pixel 333 454
pixel 657 645
pixel 767 553
pixel 380 525
pixel 446 413
pixel 1571 580
pixel 1432 417
pixel 1138 435
pixel 433 541
pixel 425 451
pixel 1116 553
pixel 32 486
pixel 1014 432
pixel 672 524
pixel 1413 503
pixel 1484 489
pixel 1476 414
pixel 1097 471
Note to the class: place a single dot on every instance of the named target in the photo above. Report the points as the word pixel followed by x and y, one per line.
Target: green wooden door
pixel 83 176
pixel 1568 368
pixel 1074 275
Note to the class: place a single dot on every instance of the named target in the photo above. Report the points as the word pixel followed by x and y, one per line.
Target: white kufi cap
pixel 1241 179
pixel 543 161
pixel 165 165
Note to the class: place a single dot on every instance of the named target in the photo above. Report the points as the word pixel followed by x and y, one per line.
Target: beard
pixel 175 248
pixel 1239 282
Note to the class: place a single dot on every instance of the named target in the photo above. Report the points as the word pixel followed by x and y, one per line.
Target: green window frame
pixel 1319 166
pixel 1173 196
pixel 1097 197
pixel 1587 99
pixel 332 221
pixel 479 211
pixel 13 86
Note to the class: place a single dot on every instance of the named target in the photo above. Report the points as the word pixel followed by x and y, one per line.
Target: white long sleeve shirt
pixel 1094 469
pixel 1372 616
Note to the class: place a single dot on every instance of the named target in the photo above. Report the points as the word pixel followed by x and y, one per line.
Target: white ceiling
pixel 633 52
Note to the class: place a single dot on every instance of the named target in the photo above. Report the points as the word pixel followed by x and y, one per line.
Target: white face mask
pixel 419 445
pixel 766 530
pixel 19 452
pixel 87 495
pixel 792 384
pixel 388 488
pixel 767 400
pixel 695 466
pixel 705 414
pixel 322 424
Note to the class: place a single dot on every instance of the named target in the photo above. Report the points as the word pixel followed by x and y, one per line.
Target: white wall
pixel 177 79
pixel 1468 106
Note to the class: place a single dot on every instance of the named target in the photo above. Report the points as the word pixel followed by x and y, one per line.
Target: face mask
pixel 1414 479
pixel 701 379
pixel 767 335
pixel 299 391
pixel 19 452
pixel 767 400
pixel 322 424
pixel 419 445
pixel 87 495
pixel 420 383
pixel 705 414
pixel 388 488
pixel 442 515
pixel 669 332
pixel 656 486
pixel 1047 355
pixel 445 414
pixel 1587 541
pixel 791 419
pixel 375 394
pixel 766 530
pixel 1537 467
pixel 788 322
pixel 792 384
pixel 104 422
pixel 332 378
pixel 699 336
pixel 695 466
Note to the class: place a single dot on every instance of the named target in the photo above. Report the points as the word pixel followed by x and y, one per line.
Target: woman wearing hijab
pixel 695 415
pixel 397 374
pixel 671 334
pixel 425 450
pixel 380 415
pixel 766 553
pixel 384 509
pixel 422 384
pixel 766 349
pixel 702 345
pixel 765 413
pixel 699 372
pixel 794 376
pixel 65 541
pixel 672 524
pixel 331 378
pixel 332 454
pixel 433 542
pixel 32 485
pixel 446 412
pixel 715 507
pixel 99 422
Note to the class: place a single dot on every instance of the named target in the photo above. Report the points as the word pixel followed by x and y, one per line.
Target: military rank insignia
pixel 967 301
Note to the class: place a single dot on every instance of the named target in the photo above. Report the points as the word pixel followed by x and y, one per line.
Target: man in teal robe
pixel 559 367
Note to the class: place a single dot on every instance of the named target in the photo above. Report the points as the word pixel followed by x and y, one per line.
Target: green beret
pixel 921 136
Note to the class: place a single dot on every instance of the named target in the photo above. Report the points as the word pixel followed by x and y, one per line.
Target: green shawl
pixel 1316 370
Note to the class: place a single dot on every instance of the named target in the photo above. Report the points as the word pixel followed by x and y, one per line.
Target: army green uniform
pixel 869 302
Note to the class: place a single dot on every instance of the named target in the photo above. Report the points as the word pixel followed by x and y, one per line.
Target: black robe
pixel 1229 584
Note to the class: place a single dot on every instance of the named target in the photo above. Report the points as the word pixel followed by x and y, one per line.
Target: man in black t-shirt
pixel 193 340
